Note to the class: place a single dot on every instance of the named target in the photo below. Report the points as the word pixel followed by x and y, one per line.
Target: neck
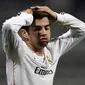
pixel 39 51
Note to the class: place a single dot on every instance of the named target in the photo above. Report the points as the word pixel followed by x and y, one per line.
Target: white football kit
pixel 23 66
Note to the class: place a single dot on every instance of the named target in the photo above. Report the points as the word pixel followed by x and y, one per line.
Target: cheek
pixel 34 37
pixel 49 34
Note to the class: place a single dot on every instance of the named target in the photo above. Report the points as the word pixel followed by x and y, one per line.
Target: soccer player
pixel 31 56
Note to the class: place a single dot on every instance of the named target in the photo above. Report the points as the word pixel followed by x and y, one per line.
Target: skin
pixel 38 35
pixel 43 9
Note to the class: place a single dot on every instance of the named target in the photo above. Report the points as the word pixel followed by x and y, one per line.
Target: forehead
pixel 42 22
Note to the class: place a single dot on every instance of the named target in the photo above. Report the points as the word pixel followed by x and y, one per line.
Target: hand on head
pixel 41 9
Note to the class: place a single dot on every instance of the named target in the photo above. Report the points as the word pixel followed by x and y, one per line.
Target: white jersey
pixel 22 65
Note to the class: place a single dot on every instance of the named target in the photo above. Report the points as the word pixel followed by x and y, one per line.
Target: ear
pixel 24 34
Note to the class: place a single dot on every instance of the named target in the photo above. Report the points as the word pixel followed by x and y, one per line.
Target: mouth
pixel 43 39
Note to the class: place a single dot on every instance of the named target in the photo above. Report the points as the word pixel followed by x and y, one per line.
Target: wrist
pixel 54 16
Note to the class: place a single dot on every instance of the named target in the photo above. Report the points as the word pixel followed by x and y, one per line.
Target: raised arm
pixel 75 34
pixel 11 27
pixel 63 18
pixel 69 39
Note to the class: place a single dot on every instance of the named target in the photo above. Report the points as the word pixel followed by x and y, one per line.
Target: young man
pixel 31 57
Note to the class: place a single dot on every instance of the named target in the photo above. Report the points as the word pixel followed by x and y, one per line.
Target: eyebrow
pixel 47 25
pixel 44 26
pixel 38 27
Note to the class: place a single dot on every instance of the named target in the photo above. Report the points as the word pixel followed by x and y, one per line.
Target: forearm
pixel 10 28
pixel 15 23
pixel 70 21
pixel 71 38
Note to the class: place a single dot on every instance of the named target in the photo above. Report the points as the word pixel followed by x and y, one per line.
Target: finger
pixel 32 7
pixel 35 7
pixel 41 9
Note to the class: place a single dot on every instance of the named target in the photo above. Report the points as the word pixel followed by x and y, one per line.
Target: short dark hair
pixel 39 15
pixel 25 27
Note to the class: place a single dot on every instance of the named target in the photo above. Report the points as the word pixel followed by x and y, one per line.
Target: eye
pixel 47 27
pixel 37 28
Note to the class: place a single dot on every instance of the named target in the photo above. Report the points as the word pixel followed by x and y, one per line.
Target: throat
pixel 37 51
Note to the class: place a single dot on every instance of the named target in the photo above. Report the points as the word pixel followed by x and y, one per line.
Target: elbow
pixel 5 27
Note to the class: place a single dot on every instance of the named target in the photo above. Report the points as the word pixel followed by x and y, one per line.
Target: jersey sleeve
pixel 70 21
pixel 72 37
pixel 10 29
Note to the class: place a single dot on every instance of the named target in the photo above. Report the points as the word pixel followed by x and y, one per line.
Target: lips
pixel 43 39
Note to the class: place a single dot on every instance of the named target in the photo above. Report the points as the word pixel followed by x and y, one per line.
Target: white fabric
pixel 21 67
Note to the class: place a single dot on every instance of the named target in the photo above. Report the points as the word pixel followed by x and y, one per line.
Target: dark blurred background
pixel 71 66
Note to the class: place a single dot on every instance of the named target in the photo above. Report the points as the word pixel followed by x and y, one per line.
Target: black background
pixel 71 66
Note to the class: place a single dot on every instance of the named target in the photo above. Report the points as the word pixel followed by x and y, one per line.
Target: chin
pixel 44 44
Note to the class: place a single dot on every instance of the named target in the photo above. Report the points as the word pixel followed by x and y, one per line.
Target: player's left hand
pixel 46 9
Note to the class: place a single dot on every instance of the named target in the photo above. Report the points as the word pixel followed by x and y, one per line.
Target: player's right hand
pixel 29 11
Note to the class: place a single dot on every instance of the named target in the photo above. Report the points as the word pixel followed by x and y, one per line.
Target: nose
pixel 43 31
